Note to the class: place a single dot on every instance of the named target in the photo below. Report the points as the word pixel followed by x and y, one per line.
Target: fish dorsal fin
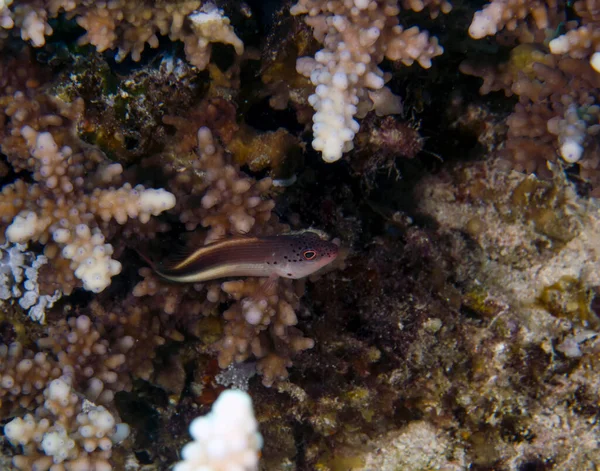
pixel 177 256
pixel 189 243
pixel 185 253
pixel 237 235
pixel 316 234
pixel 233 235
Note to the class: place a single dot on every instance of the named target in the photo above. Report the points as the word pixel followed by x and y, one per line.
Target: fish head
pixel 302 255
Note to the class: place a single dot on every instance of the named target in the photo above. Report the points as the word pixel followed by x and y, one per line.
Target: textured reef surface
pixel 450 150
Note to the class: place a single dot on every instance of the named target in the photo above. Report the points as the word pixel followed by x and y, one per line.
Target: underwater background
pixel 450 152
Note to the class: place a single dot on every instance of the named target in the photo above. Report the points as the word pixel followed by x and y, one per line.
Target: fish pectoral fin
pixel 266 289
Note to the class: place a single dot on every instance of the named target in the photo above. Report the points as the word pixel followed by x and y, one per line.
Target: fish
pixel 294 255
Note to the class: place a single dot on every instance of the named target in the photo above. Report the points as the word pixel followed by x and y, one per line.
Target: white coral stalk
pixel 225 439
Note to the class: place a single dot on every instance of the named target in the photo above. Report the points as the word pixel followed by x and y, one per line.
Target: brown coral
pixel 128 26
pixel 258 324
pixel 556 118
pixel 71 202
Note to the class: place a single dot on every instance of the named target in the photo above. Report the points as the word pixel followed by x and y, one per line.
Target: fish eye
pixel 309 254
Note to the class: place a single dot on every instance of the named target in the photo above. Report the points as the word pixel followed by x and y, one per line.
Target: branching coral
pixel 74 350
pixel 65 433
pixel 136 331
pixel 62 427
pixel 128 26
pixel 19 271
pixel 557 115
pixel 582 40
pixel 227 438
pixel 357 36
pixel 25 375
pixel 69 206
pixel 262 325
pixel 258 324
pixel 536 21
pixel 230 202
pixel 91 362
pixel 526 19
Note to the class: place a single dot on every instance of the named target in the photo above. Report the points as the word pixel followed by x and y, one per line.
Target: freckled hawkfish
pixel 289 256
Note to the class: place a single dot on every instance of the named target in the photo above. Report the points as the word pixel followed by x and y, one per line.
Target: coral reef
pixel 357 36
pixel 73 198
pixel 458 327
pixel 127 26
pixel 556 117
pixel 65 433
pixel 227 438
pixel 231 203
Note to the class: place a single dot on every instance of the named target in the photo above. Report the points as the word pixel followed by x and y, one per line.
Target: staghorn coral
pixel 71 203
pixel 93 361
pixel 131 321
pixel 94 364
pixel 25 375
pixel 65 433
pixel 217 113
pixel 357 36
pixel 230 202
pixel 557 115
pixel 127 26
pixel 19 271
pixel 226 438
pixel 259 323
pixel 62 427
pixel 529 20
pixel 582 39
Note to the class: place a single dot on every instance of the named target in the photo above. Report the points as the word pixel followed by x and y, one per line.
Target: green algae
pixel 570 298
